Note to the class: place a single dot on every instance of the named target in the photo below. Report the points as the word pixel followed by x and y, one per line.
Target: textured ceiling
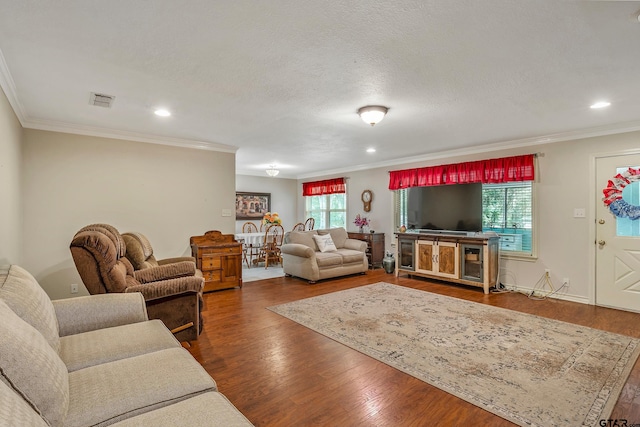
pixel 280 81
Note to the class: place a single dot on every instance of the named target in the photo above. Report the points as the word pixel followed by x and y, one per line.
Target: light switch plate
pixel 579 213
pixel 226 212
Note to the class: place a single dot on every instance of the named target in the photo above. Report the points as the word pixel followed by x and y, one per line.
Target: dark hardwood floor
pixel 279 373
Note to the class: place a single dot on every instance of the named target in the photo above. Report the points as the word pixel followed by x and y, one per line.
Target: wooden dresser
pixel 375 246
pixel 219 257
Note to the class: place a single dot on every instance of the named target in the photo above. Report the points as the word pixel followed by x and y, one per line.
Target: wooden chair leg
pixel 181 328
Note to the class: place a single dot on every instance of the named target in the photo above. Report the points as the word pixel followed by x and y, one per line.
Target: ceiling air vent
pixel 101 100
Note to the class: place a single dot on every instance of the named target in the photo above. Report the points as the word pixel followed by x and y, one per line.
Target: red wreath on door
pixel 613 194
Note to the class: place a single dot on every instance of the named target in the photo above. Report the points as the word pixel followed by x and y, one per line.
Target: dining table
pixel 252 243
pixel 253 239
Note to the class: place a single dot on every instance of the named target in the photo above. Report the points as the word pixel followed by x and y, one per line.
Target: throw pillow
pixel 325 243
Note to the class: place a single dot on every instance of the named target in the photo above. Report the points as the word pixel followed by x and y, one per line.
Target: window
pixel 507 209
pixel 329 210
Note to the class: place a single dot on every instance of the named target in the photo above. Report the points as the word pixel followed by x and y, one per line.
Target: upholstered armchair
pixel 98 252
pixel 140 253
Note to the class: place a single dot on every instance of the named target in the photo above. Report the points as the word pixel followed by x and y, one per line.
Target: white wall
pixel 562 184
pixel 283 197
pixel 10 185
pixel 167 193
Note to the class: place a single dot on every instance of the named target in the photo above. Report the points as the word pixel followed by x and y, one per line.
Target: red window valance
pixel 492 171
pixel 328 186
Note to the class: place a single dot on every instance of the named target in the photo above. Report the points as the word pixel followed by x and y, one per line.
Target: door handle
pixel 601 242
pixel 601 221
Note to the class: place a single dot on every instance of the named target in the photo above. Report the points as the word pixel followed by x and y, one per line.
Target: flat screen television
pixel 455 207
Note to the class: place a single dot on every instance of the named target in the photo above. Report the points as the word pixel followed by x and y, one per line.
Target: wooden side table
pixel 375 246
pixel 219 257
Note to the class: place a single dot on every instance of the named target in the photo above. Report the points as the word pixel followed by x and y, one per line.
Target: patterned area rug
pixel 527 369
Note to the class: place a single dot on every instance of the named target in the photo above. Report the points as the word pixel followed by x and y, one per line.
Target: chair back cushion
pixel 139 251
pixel 338 235
pixel 98 253
pixel 26 298
pixel 303 238
pixel 32 367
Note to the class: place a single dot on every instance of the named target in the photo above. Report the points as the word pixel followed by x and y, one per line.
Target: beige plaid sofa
pixel 97 361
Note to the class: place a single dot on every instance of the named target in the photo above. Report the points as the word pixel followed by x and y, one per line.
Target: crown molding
pixel 613 129
pixel 9 87
pixel 56 126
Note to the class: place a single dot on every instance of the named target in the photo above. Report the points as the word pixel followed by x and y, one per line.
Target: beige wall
pixel 10 185
pixel 165 192
pixel 283 197
pixel 565 181
pixel 51 184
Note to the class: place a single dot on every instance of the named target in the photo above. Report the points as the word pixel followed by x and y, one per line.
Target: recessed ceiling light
pixel 600 104
pixel 162 112
pixel 371 150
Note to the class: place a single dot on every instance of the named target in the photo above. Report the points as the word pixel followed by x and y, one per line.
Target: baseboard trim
pixel 560 296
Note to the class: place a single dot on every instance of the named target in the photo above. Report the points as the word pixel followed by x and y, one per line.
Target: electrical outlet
pixel 74 288
pixel 565 281
pixel 547 271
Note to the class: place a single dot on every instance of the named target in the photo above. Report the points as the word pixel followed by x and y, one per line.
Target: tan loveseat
pixel 301 256
pixel 97 361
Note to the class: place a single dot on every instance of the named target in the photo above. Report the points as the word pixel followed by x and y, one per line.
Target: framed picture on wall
pixel 252 205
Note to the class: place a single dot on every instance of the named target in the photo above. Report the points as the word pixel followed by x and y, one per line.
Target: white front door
pixel 618 232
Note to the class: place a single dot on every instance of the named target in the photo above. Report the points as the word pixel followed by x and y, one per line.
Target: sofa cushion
pixel 350 256
pixel 32 367
pixel 304 238
pixel 14 409
pixel 114 391
pixel 325 243
pixel 328 259
pixel 339 236
pixel 29 301
pixel 208 409
pixel 106 345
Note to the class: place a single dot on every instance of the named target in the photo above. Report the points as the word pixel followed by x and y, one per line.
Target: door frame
pixel 594 198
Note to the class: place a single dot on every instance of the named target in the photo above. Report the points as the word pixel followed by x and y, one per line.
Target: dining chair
pixel 249 227
pixel 309 224
pixel 249 250
pixel 298 227
pixel 272 243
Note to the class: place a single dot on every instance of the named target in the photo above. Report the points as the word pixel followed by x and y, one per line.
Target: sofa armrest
pixel 356 245
pixel 88 313
pixel 297 249
pixel 167 288
pixel 176 259
pixel 165 272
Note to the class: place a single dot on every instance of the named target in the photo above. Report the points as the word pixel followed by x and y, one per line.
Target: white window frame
pixel 326 213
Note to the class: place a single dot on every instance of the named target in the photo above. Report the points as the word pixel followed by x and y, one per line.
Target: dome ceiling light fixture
pixel 372 114
pixel 162 112
pixel 272 171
